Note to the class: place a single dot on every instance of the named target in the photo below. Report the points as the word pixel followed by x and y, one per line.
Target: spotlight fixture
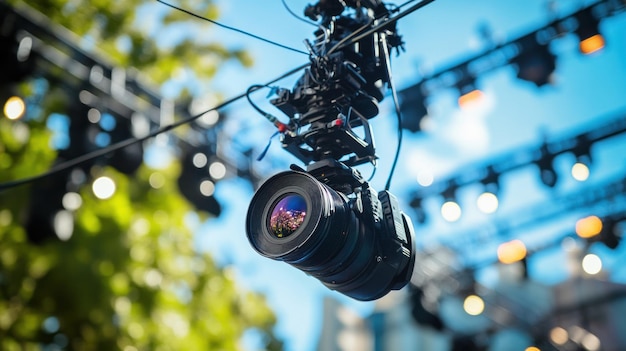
pixel 450 209
pixel 512 251
pixel 487 202
pixel 469 94
pixel 413 108
pixel 195 182
pixel 546 168
pixel 535 63
pixel 582 152
pixel 588 34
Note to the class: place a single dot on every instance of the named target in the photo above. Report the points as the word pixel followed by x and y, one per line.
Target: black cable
pixel 131 141
pixel 232 28
pixel 255 106
pixel 270 117
pixel 298 17
pixel 398 7
pixel 394 95
pixel 378 27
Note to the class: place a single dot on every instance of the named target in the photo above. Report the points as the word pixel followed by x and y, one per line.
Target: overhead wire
pixel 232 28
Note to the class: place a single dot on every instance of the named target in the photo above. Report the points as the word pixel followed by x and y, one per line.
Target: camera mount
pixel 341 89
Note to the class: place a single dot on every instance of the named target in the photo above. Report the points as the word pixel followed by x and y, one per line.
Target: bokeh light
pixel 207 188
pixel 217 170
pixel 580 171
pixel 592 264
pixel 103 187
pixel 559 336
pixel 72 201
pixel 511 251
pixel 14 107
pixel 487 202
pixel 588 227
pixel 451 211
pixel 473 305
pixel 425 178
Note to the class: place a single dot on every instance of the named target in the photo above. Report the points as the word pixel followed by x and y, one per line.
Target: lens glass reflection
pixel 287 215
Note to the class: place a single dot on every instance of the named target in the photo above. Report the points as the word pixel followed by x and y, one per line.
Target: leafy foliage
pixel 129 277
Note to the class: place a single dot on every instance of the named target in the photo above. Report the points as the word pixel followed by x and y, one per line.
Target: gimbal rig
pixel 327 221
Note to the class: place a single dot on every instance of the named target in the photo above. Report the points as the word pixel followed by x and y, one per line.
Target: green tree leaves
pixel 127 275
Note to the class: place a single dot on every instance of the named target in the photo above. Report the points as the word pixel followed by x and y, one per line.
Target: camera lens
pixel 288 215
pixel 340 240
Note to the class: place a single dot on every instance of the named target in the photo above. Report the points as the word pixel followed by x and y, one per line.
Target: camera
pixel 359 244
pixel 327 221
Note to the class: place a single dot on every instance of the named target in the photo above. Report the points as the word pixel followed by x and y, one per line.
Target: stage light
pixel 535 63
pixel 195 181
pixel 451 211
pixel 592 264
pixel 532 348
pixel 419 214
pixel 609 235
pixel 361 246
pixel 580 171
pixel 14 107
pixel 217 170
pixel 512 251
pixel 547 173
pixel 412 107
pixel 587 31
pixel 559 336
pixel 588 227
pixel 420 314
pixel 470 96
pixel 425 178
pixel 473 305
pixel 128 159
pixel 582 152
pixel 487 202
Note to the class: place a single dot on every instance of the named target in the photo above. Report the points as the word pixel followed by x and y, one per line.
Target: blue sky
pixel 587 90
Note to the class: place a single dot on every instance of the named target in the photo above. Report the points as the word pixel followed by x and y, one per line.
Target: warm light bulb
pixel 103 188
pixel 487 202
pixel 14 107
pixel 512 251
pixel 580 171
pixel 473 305
pixel 588 227
pixel 451 211
pixel 592 264
pixel 592 44
pixel 559 336
pixel 471 98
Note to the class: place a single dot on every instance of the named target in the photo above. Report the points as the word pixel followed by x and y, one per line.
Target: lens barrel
pixel 295 218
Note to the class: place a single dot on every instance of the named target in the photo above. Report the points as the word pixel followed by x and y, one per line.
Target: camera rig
pixel 328 221
pixel 341 89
